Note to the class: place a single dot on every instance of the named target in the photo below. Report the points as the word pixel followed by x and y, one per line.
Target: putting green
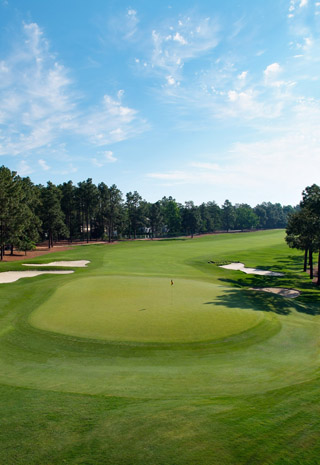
pixel 136 309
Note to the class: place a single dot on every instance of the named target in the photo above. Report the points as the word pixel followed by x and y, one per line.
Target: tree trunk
pixel 109 232
pixel 305 260
pixel 87 222
pixel 11 252
pixel 318 280
pixel 311 263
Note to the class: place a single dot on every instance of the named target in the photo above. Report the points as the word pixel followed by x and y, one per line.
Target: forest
pixel 32 213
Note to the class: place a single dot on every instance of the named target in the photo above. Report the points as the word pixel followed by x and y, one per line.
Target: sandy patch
pixel 74 264
pixel 12 276
pixel 290 293
pixel 244 269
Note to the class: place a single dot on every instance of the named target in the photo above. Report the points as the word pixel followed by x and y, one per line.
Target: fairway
pixel 142 310
pixel 112 364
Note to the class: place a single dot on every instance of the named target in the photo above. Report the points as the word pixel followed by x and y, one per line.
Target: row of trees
pixel 29 213
pixel 303 229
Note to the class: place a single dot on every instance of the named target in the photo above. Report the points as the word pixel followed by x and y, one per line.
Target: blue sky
pixel 202 100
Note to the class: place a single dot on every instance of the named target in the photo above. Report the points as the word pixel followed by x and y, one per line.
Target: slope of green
pixel 113 365
pixel 118 308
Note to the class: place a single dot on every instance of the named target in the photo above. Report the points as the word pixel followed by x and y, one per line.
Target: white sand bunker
pixel 74 264
pixel 12 276
pixel 290 293
pixel 242 267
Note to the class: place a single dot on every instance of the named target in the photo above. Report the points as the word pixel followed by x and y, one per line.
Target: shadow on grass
pixel 292 262
pixel 308 302
pixel 253 300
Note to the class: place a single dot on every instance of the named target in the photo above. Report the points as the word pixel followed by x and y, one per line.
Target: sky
pixel 201 100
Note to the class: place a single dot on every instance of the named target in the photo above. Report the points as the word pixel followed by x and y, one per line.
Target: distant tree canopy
pixel 30 213
pixel 303 227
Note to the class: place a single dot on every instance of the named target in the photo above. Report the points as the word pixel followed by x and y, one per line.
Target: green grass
pixel 112 365
pixel 149 310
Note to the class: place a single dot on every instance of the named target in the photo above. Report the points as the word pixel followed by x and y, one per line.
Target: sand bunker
pixel 242 267
pixel 12 276
pixel 290 293
pixel 74 264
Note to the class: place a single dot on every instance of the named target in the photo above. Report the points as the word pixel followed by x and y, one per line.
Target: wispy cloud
pixel 283 157
pixel 226 87
pixel 296 5
pixel 176 42
pixel 105 158
pixel 24 169
pixel 44 165
pixel 131 23
pixel 39 105
pixel 34 102
pixel 123 25
pixel 110 122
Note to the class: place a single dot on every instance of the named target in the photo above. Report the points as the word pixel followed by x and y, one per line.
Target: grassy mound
pixel 142 310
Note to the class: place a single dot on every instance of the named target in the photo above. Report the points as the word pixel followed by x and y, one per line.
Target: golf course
pixel 153 354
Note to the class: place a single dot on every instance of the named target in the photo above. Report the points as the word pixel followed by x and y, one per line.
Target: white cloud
pixel 243 75
pixel 110 122
pixel 277 163
pixel 123 25
pixel 24 169
pixel 110 157
pixel 271 74
pixel 292 8
pixel 303 3
pixel 178 38
pixel 68 170
pixel 107 157
pixel 174 45
pixel 308 42
pixel 96 162
pixel 272 70
pixel 171 81
pixel 131 23
pixel 247 105
pixel 34 104
pixel 43 165
pixel 38 106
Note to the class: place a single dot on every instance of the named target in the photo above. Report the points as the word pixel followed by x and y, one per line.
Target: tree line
pixel 31 213
pixel 303 228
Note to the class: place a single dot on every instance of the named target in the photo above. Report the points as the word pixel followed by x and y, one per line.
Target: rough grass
pixel 250 396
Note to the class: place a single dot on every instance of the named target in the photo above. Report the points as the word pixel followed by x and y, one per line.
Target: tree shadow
pixel 253 300
pixel 290 280
pixel 292 261
pixel 308 302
